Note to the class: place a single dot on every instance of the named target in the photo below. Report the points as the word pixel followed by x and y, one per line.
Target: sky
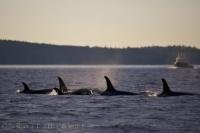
pixel 111 23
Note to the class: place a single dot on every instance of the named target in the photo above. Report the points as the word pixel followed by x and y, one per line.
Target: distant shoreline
pixel 26 53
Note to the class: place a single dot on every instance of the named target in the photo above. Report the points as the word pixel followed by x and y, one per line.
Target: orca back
pixel 168 92
pixel 82 92
pixel 111 91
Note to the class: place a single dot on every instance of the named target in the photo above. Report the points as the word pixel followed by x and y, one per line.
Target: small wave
pixel 149 93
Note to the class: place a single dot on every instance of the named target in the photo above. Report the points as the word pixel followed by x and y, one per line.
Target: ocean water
pixel 43 113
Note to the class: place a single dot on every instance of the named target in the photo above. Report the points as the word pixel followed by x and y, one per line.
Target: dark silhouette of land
pixel 18 52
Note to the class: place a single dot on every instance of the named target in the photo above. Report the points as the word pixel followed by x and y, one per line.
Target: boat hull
pixel 183 65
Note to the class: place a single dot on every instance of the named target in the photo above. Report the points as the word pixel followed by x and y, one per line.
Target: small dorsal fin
pixel 166 88
pixel 109 84
pixel 62 85
pixel 26 88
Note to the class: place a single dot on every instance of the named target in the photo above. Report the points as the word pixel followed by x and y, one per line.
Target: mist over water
pixel 24 112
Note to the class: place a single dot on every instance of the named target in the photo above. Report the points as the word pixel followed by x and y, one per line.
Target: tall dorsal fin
pixel 63 87
pixel 109 84
pixel 26 88
pixel 166 88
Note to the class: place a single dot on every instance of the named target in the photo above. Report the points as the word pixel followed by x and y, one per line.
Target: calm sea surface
pixel 99 114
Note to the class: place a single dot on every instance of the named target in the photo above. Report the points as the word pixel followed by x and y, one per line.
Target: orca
pixel 27 90
pixel 63 90
pixel 167 92
pixel 111 91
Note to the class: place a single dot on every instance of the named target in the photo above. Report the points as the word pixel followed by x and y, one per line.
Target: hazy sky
pixel 116 23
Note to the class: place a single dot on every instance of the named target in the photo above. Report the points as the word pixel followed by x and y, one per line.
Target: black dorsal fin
pixel 26 88
pixel 166 88
pixel 109 85
pixel 62 85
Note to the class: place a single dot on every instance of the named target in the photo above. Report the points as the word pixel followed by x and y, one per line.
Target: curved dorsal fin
pixel 26 88
pixel 166 88
pixel 109 84
pixel 62 85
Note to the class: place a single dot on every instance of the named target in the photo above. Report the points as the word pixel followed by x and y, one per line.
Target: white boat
pixel 182 62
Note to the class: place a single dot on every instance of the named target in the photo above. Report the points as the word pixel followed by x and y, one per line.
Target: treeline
pixel 18 52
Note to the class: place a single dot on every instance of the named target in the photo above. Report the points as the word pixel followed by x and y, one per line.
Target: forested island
pixel 20 52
